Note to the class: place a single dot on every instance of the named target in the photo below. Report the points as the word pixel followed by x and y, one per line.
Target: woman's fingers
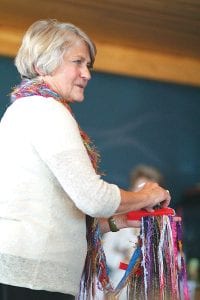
pixel 156 195
pixel 167 199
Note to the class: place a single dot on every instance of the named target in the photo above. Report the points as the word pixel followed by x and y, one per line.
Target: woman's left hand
pixel 121 222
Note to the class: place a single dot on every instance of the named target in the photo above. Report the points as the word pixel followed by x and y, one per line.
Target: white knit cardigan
pixel 47 186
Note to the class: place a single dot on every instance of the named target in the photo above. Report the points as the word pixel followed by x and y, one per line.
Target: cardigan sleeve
pixel 55 135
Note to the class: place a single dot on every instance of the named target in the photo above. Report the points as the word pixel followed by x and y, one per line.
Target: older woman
pixel 49 178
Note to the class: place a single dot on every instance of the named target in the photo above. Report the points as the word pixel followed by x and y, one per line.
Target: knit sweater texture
pixel 47 186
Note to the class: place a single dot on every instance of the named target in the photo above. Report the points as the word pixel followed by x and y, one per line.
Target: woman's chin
pixel 78 99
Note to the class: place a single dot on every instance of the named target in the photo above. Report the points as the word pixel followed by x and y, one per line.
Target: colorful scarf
pixel 37 87
pixel 157 268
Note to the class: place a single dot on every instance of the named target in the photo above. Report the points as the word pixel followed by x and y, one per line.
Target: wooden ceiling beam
pixel 125 60
pixel 147 64
pixel 142 38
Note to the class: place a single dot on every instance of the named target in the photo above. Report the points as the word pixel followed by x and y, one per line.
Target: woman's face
pixel 71 77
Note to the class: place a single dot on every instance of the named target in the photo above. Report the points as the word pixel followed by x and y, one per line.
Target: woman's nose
pixel 85 73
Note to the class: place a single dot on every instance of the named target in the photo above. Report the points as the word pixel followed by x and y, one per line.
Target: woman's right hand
pixel 155 195
pixel 150 195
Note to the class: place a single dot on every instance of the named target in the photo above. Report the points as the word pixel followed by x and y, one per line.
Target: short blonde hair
pixel 44 45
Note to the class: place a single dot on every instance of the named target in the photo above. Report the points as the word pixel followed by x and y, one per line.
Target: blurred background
pixel 142 105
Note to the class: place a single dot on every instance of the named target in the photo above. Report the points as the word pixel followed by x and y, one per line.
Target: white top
pixel 47 185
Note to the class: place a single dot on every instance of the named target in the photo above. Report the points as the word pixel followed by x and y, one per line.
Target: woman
pixel 49 178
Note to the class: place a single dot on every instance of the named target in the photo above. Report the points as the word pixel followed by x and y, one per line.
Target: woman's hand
pixel 150 195
pixel 156 195
pixel 121 222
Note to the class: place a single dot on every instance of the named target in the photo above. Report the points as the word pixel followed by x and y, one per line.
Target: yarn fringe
pixel 156 271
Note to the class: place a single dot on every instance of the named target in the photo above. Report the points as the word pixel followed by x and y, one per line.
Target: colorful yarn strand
pixel 157 269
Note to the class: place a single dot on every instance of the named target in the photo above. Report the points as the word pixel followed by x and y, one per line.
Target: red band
pixel 137 215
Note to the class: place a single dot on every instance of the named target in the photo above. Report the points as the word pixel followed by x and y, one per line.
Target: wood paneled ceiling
pixel 156 39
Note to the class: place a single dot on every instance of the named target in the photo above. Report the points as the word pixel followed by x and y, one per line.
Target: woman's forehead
pixel 78 48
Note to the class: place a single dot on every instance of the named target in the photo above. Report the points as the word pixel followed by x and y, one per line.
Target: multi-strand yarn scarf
pixel 157 268
pixel 37 87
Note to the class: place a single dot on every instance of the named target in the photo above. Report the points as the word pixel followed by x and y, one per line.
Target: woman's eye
pixel 78 61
